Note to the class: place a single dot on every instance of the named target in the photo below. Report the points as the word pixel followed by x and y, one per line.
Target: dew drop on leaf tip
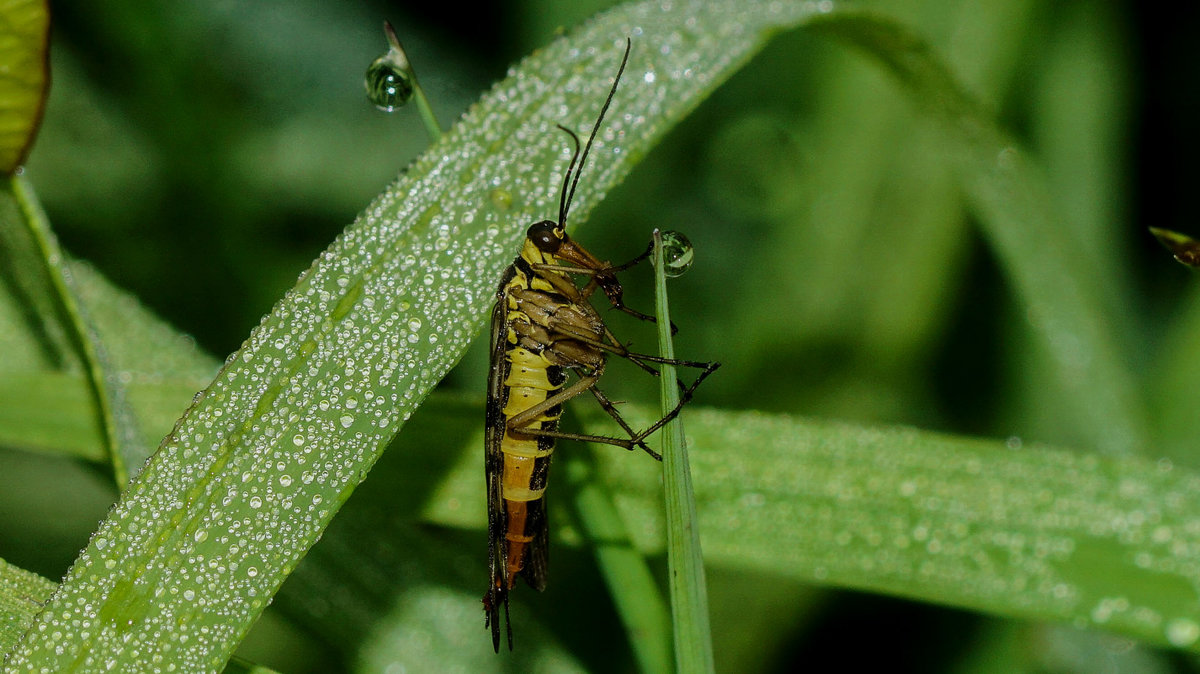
pixel 389 78
pixel 678 254
pixel 387 86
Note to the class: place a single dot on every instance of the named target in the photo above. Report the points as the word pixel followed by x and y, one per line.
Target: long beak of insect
pixel 578 255
pixel 607 281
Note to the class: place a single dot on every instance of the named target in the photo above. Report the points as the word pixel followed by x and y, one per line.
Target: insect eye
pixel 546 235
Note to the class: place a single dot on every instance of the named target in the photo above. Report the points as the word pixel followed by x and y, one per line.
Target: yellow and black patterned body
pixel 542 326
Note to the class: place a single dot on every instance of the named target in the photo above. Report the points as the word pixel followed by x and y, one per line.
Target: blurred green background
pixel 201 154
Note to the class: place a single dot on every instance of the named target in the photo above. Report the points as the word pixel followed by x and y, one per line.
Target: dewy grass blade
pixel 689 595
pixel 22 595
pixel 256 468
pixel 1005 528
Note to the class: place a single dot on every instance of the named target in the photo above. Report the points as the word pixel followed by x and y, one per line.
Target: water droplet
pixel 678 254
pixel 1182 632
pixel 285 480
pixel 502 199
pixel 389 84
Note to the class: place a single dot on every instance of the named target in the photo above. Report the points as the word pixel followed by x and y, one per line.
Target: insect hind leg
pixel 684 398
pixel 637 439
pixel 610 409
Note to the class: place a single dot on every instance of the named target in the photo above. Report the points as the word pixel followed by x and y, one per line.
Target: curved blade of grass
pixel 631 584
pixel 22 595
pixel 41 287
pixel 251 474
pixel 1011 530
pixel 24 78
pixel 46 399
pixel 685 565
pixel 1051 269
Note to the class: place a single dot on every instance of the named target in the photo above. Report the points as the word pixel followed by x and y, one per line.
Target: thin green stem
pixel 639 601
pixel 53 258
pixel 685 565
pixel 426 111
pixel 423 107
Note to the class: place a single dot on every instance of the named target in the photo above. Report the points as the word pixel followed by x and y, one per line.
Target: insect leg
pixel 638 438
pixel 519 423
pixel 684 398
pixel 611 409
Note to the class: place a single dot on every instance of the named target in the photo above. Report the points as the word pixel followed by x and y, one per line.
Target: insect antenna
pixel 565 206
pixel 562 196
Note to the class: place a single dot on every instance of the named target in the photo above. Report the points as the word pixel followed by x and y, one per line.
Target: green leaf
pixel 50 333
pixel 262 460
pixel 24 78
pixel 1003 528
pixel 1011 530
pixel 22 595
pixel 47 404
pixel 50 412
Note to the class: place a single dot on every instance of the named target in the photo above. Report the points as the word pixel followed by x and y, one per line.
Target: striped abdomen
pixel 529 381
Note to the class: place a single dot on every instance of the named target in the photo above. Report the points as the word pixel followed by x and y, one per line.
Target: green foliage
pixel 831 198
pixel 24 78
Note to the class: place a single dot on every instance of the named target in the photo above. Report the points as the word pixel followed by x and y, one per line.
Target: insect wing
pixel 497 593
pixel 537 550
